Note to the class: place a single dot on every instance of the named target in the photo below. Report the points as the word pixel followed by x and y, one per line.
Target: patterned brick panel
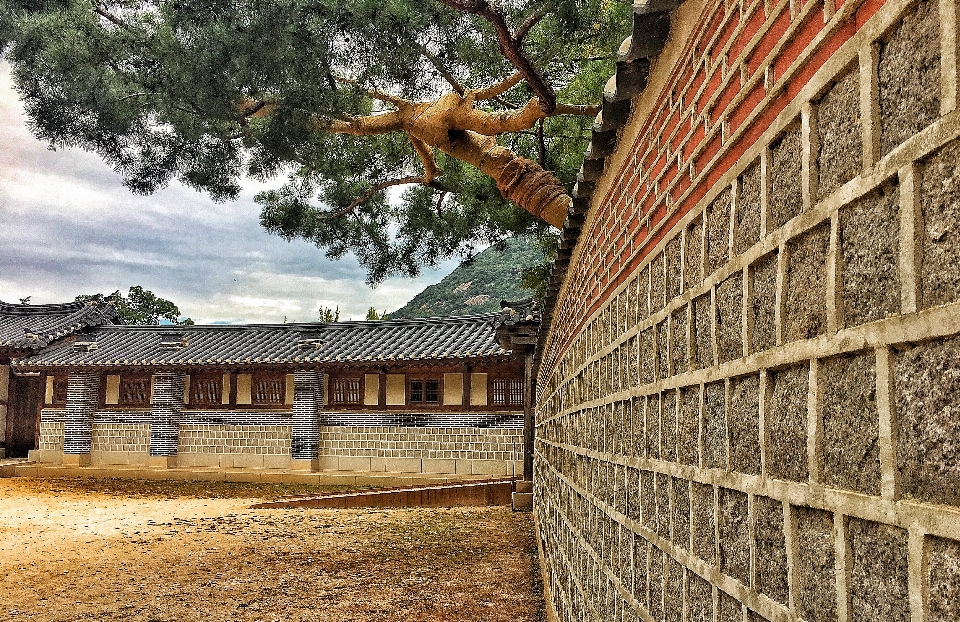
pixel 747 399
pixel 83 396
pixel 165 413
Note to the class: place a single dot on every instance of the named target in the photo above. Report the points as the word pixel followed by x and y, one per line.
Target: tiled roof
pixel 31 327
pixel 337 342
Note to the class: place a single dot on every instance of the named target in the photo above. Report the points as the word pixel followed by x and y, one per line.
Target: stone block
pixel 648 500
pixel 786 418
pixel 653 428
pixel 786 199
pixel 76 460
pixel 746 211
pixel 734 535
pixel 943 577
pixel 730 318
pixel 849 446
pixel 878 579
pixel 869 256
pixel 693 255
pixel 664 484
pixel 744 424
pixel 702 332
pixel 248 461
pixel 771 549
pixel 362 463
pixel 47 456
pixel 939 239
pixel 191 460
pixel 702 522
pixel 681 513
pixel 674 281
pixel 640 570
pixel 668 426
pixel 521 501
pixel 488 467
pixel 699 599
pixel 840 134
pixel 663 351
pixel 305 465
pixel 328 463
pixel 714 426
pixel 162 462
pixel 438 465
pixel 277 461
pixel 753 616
pixel 908 75
pixel 688 426
pixel 718 232
pixel 647 356
pixel 730 609
pixel 657 283
pixel 763 303
pixel 678 340
pixel 814 564
pixel 927 387
pixel 656 582
pixel 673 594
pixel 805 308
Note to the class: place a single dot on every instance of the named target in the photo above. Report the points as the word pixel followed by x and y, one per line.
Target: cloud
pixel 68 226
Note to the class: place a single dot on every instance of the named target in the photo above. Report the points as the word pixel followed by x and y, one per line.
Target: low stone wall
pixel 230 446
pixel 477 451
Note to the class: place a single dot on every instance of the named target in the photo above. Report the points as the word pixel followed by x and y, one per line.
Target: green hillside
pixel 478 285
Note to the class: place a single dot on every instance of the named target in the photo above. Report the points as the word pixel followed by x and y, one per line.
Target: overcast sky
pixel 68 226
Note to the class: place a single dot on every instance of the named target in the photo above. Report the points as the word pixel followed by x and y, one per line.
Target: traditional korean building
pixel 25 330
pixel 434 395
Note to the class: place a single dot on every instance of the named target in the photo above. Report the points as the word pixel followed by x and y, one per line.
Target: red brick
pixel 733 20
pixel 747 105
pixel 694 142
pixel 769 40
pixel 752 26
pixel 727 96
pixel 798 43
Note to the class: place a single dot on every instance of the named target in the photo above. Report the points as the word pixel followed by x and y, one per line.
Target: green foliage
pixel 374 315
pixel 536 278
pixel 478 285
pixel 140 306
pixel 162 90
pixel 329 315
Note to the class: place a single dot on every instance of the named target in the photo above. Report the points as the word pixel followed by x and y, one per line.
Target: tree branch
pixel 459 88
pixel 510 48
pixel 532 20
pixel 496 90
pixel 372 125
pixel 430 168
pixel 116 21
pixel 402 181
pixel 399 102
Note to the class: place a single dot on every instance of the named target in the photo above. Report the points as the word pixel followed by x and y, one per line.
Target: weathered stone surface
pixel 927 385
pixel 944 580
pixel 814 564
pixel 647 356
pixel 909 76
pixel 746 213
pixel 648 500
pixel 869 256
pixel 702 522
pixel 786 200
pixel 699 598
pixel 664 484
pixel 771 557
pixel 674 268
pixel 702 335
pixel 753 616
pixel 681 513
pixel 849 448
pixel 939 277
pixel 840 134
pixel 689 426
pixel 744 424
pixel 673 595
pixel 656 582
pixel 734 535
pixel 714 426
pixel 730 318
pixel 787 423
pixel 806 285
pixel 653 427
pixel 640 547
pixel 878 578
pixel 668 426
pixel 730 609
pixel 763 305
pixel 693 255
pixel 663 351
pixel 657 284
pixel 718 232
pixel 678 340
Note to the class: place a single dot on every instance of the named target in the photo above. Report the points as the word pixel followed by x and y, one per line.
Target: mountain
pixel 477 285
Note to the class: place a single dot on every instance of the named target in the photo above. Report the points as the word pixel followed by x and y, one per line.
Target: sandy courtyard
pixel 151 552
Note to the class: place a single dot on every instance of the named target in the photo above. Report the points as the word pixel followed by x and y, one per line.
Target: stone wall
pixel 262 446
pixel 746 398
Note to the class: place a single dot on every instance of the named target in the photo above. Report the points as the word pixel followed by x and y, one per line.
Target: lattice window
pixel 59 389
pixel 345 391
pixel 268 390
pixel 425 391
pixel 134 391
pixel 206 391
pixel 507 392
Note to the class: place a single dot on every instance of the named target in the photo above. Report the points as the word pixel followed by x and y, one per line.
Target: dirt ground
pixel 158 551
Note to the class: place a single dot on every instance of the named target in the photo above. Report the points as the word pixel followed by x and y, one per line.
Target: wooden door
pixel 23 417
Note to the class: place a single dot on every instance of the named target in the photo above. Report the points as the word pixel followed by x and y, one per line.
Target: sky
pixel 68 226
